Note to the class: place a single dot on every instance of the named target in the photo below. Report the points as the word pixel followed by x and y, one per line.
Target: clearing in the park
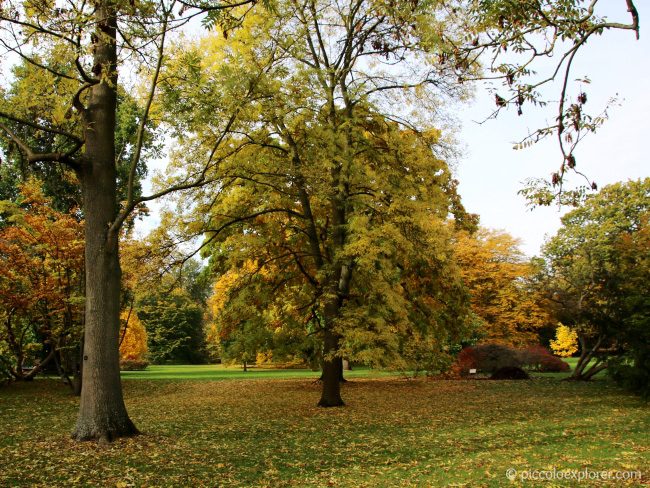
pixel 269 432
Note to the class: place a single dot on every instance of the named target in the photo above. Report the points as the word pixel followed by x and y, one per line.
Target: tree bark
pixel 580 373
pixel 331 392
pixel 102 413
pixel 341 369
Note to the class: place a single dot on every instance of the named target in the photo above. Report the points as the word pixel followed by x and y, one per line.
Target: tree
pixel 41 281
pixel 632 299
pixel 174 325
pixel 566 341
pixel 133 339
pixel 77 47
pixel 75 52
pixel 162 307
pixel 497 275
pixel 597 276
pixel 320 179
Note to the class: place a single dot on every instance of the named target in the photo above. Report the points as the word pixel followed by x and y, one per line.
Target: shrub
pixel 487 358
pixel 553 364
pixel 632 373
pixel 538 358
pixel 566 341
pixel 510 373
pixel 133 365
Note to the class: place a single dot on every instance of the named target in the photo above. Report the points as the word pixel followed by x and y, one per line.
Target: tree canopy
pixel 596 272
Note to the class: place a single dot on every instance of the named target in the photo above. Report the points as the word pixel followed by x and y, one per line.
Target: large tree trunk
pixel 341 369
pixel 331 392
pixel 102 413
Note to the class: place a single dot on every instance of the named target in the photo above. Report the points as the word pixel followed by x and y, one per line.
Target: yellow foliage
pixel 226 283
pixel 263 358
pixel 495 271
pixel 134 344
pixel 566 341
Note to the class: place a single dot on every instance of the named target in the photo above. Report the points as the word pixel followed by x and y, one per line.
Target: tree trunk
pixel 341 369
pixel 102 413
pixel 331 392
pixel 77 368
pixel 580 373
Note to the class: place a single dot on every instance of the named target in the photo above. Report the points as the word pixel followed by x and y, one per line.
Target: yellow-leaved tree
pixel 343 206
pixel 496 271
pixel 133 342
pixel 566 341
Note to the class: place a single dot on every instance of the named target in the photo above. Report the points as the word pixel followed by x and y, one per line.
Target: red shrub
pixel 554 364
pixel 465 361
pixel 133 365
pixel 487 358
pixel 538 358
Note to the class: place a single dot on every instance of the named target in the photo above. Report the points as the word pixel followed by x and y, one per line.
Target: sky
pixel 491 172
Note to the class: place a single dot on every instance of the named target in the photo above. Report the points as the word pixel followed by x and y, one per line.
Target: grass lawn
pixel 393 432
pixel 217 372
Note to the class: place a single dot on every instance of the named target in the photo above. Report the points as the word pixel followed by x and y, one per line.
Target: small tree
pixel 596 274
pixel 41 271
pixel 174 325
pixel 133 341
pixel 565 343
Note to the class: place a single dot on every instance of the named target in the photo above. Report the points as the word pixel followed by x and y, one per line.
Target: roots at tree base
pixel 105 434
pixel 327 404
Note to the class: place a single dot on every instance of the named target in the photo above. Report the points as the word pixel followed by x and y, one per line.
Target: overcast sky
pixel 491 172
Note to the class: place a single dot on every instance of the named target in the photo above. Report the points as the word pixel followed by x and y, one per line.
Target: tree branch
pixel 53 157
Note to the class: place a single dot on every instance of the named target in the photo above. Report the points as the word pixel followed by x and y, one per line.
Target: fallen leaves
pixel 269 433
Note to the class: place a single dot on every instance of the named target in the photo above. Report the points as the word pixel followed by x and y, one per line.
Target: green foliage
pixel 44 100
pixel 245 342
pixel 597 271
pixel 174 325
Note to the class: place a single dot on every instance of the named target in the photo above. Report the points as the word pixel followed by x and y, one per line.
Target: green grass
pixel 392 432
pixel 218 372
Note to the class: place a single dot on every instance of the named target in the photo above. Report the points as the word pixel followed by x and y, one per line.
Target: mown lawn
pixel 218 372
pixel 393 432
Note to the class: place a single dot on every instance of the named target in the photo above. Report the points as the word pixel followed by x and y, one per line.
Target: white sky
pixel 491 172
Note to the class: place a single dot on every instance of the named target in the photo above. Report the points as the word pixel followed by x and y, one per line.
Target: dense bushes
pixel 488 358
pixel 538 358
pixel 633 374
pixel 5 373
pixel 133 365
pixel 510 373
